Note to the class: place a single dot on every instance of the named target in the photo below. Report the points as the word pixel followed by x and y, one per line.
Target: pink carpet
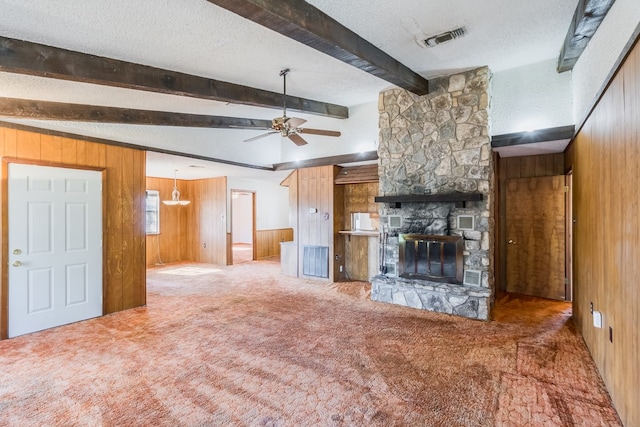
pixel 246 346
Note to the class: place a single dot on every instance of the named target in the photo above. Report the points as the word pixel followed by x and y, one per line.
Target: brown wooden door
pixel 535 239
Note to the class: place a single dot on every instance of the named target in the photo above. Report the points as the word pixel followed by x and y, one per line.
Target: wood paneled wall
pixel 316 191
pixel 518 167
pixel 531 166
pixel 605 157
pixel 207 226
pixel 124 280
pixel 358 198
pixel 268 241
pixel 171 245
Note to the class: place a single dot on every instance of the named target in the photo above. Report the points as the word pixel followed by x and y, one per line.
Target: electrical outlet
pixel 340 269
pixel 597 319
pixel 591 307
pixel 204 245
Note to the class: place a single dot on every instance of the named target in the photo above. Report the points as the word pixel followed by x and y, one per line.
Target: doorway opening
pixel 243 229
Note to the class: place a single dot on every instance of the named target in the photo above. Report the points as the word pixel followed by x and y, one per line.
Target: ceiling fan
pixel 288 127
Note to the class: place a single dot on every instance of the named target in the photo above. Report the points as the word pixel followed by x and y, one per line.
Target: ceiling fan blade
pixel 319 132
pixel 294 122
pixel 297 139
pixel 260 136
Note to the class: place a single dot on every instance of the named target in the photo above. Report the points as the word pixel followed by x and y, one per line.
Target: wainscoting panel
pixel 268 241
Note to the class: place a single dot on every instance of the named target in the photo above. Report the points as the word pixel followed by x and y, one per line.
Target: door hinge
pixel 566 188
pixel 566 280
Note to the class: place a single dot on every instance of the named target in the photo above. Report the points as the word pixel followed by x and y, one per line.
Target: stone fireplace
pixel 431 257
pixel 436 181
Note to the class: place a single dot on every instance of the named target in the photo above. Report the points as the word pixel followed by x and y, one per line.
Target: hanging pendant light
pixel 175 194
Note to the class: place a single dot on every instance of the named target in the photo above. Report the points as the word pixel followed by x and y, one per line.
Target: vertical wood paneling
pixel 123 222
pixel 170 245
pixel 268 241
pixel 337 212
pixel 207 221
pixel 316 191
pixel 10 143
pixel 358 259
pixel 128 223
pixel 113 240
pixel 139 286
pixel 28 145
pixel 605 158
pixel 69 154
pixel 51 148
pixel 514 168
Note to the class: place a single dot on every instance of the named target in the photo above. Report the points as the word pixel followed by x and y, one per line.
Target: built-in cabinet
pixel 321 208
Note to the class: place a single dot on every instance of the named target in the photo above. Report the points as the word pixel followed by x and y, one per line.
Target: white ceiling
pixel 197 37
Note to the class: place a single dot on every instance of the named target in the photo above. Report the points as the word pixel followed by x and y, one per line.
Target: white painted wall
pixel 602 52
pixel 272 202
pixel 532 97
pixel 242 218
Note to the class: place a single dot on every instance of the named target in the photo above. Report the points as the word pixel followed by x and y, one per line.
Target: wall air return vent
pixel 437 39
pixel 315 261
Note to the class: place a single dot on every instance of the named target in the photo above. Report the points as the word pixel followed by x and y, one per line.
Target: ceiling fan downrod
pixel 283 74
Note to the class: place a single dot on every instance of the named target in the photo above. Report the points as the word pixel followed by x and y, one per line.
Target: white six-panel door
pixel 55 246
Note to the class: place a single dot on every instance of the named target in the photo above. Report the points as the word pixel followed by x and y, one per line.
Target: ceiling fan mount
pixel 289 127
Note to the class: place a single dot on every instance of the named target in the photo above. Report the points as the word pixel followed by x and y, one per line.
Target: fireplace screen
pixel 437 258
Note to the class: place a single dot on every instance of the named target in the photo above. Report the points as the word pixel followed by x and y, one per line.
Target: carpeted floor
pixel 242 252
pixel 244 345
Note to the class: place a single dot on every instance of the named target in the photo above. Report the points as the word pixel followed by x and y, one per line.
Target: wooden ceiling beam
pixel 306 24
pixel 326 161
pixel 46 110
pixel 21 57
pixel 586 20
pixel 540 135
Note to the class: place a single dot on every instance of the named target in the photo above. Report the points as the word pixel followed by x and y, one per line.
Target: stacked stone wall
pixel 435 144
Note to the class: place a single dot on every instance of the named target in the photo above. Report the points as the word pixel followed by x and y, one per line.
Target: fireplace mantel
pixel 459 198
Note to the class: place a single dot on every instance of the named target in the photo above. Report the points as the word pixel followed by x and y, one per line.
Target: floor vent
pixel 315 261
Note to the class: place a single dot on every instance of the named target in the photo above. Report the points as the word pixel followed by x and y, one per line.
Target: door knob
pixel 17 263
pixel 512 242
pixel 17 251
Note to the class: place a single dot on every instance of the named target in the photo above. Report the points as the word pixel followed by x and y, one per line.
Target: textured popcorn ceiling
pixel 200 38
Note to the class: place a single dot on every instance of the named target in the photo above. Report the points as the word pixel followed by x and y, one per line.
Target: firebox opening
pixel 431 257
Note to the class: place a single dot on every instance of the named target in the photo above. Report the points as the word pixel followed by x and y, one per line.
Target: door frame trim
pixel 4 232
pixel 254 234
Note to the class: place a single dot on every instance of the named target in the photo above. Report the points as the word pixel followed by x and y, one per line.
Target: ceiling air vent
pixel 444 37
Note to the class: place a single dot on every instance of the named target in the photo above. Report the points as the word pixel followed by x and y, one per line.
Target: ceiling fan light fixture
pixel 175 194
pixel 289 127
